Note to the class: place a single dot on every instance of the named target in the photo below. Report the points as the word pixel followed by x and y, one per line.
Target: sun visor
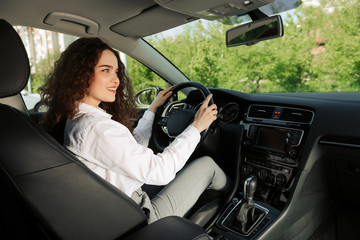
pixel 151 21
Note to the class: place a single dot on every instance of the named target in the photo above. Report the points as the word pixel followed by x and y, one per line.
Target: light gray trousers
pixel 180 195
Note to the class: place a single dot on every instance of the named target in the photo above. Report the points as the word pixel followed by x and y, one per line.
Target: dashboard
pixel 303 148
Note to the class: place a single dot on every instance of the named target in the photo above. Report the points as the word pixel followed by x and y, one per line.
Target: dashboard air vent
pixel 279 115
pixel 261 111
pixel 296 115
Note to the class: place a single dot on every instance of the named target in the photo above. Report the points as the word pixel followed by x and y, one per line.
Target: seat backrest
pixel 46 191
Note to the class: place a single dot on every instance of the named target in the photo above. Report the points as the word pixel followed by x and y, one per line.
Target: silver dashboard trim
pixel 339 144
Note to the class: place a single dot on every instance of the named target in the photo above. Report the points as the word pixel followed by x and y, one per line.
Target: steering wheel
pixel 174 117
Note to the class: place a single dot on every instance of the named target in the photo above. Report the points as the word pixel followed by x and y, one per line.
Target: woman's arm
pixel 142 132
pixel 112 147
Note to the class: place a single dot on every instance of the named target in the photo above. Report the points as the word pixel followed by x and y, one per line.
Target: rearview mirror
pixel 254 32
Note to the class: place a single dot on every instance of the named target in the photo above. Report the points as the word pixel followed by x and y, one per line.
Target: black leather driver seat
pixel 46 193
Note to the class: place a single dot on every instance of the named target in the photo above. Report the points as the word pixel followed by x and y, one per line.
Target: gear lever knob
pixel 250 188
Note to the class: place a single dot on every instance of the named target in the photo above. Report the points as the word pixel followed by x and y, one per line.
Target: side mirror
pixel 145 97
pixel 254 32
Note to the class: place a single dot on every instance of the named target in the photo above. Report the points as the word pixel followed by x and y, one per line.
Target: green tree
pixel 334 29
pixel 142 77
pixel 43 68
pixel 320 51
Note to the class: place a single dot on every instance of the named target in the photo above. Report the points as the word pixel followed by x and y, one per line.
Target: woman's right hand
pixel 205 115
pixel 160 99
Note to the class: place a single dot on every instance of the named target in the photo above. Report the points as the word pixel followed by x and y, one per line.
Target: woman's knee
pixel 219 179
pixel 205 160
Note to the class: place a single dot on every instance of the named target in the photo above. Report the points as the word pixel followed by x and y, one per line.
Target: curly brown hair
pixel 69 82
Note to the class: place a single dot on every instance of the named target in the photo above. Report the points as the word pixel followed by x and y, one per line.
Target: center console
pixel 271 148
pixel 272 153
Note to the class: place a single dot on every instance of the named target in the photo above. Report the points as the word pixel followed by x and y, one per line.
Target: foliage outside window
pixel 320 51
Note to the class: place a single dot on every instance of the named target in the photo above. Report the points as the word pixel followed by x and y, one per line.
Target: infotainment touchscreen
pixel 272 139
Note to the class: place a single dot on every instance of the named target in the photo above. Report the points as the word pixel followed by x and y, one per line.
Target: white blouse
pixel 110 150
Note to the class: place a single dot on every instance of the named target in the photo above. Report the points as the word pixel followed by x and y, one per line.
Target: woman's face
pixel 105 82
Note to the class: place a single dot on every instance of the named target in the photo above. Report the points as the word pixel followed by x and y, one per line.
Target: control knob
pixel 248 169
pixel 262 174
pixel 280 179
pixel 292 153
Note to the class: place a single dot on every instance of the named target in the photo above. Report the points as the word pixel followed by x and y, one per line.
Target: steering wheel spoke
pixel 173 107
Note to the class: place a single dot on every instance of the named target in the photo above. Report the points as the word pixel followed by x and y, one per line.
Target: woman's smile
pixel 112 89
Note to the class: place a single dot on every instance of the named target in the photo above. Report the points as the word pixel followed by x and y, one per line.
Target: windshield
pixel 319 52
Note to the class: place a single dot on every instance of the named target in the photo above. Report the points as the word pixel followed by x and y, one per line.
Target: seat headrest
pixel 14 62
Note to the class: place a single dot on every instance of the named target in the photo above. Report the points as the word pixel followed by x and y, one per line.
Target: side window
pixel 44 48
pixel 141 76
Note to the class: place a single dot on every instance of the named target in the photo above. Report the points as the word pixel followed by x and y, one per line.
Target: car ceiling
pixel 128 18
pixel 105 13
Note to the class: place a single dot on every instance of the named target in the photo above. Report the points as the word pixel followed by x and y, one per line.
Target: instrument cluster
pixel 229 112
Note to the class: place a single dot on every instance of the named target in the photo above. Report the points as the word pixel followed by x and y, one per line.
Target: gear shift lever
pixel 249 189
pixel 248 216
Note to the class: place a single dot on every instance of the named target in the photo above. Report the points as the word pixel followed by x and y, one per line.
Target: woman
pixel 90 92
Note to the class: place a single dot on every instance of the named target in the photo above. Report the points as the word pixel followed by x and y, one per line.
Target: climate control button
pixel 248 169
pixel 280 179
pixel 262 174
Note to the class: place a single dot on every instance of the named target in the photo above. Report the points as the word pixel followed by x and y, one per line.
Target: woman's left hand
pixel 160 99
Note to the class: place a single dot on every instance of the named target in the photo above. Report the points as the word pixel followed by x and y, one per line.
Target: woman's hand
pixel 160 99
pixel 205 115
